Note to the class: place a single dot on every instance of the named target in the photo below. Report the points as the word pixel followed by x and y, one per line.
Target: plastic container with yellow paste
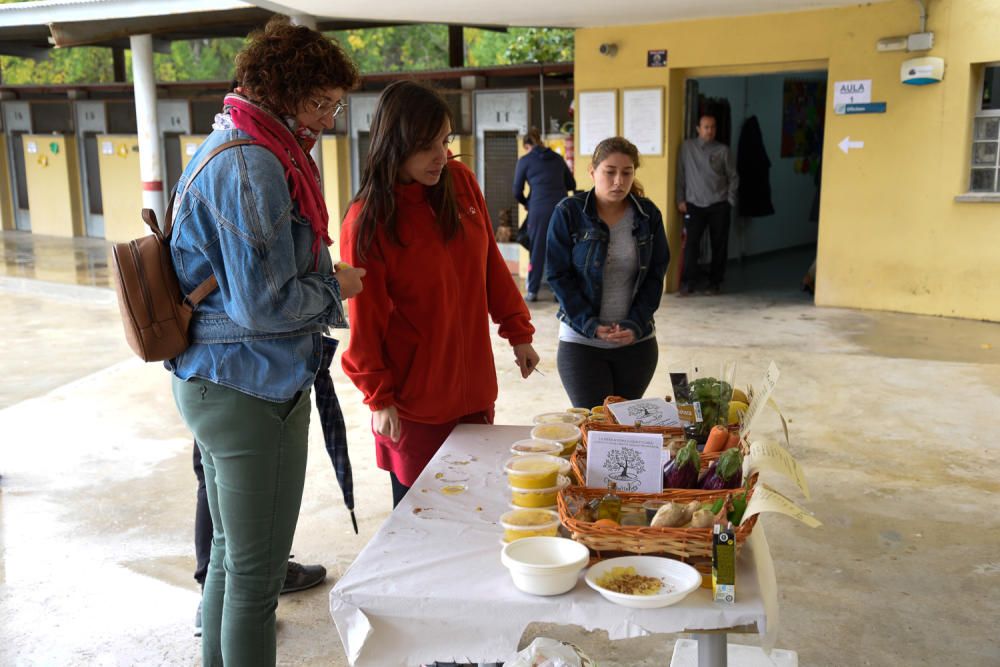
pixel 539 471
pixel 522 523
pixel 566 435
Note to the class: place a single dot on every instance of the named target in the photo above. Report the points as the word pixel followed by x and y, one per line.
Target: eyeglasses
pixel 328 108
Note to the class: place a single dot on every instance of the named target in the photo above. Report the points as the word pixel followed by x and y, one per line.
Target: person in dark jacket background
pixel 549 178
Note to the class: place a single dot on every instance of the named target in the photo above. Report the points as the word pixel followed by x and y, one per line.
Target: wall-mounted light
pixel 609 49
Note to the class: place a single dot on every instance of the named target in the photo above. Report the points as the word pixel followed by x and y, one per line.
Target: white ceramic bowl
pixel 545 565
pixel 679 580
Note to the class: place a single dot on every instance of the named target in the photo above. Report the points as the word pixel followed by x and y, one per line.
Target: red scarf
pixel 303 185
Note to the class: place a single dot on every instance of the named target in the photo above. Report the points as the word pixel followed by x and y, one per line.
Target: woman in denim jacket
pixel 606 258
pixel 254 217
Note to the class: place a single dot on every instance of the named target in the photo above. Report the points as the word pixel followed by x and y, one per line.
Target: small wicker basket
pixel 690 545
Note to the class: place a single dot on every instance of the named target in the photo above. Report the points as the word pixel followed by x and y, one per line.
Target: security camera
pixel 609 49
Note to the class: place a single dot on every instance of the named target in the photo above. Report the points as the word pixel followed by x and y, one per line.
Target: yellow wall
pixel 121 187
pixel 465 147
pixel 891 235
pixel 336 183
pixel 53 177
pixel 6 198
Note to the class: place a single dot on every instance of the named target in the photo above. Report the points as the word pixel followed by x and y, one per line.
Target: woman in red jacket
pixel 420 348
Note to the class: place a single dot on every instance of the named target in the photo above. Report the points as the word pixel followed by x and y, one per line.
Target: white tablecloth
pixel 430 585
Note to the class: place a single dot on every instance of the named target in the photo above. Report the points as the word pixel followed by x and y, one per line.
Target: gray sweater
pixel 706 173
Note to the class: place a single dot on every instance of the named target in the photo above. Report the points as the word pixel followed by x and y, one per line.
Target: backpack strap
pixel 208 285
pixel 208 158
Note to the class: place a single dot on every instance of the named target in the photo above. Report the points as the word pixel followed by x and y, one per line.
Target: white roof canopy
pixel 566 13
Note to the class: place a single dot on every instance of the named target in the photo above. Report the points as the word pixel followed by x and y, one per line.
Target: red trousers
pixel 417 444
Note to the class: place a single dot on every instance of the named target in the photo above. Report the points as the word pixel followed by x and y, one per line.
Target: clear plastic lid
pixel 560 432
pixel 559 418
pixel 533 446
pixel 527 518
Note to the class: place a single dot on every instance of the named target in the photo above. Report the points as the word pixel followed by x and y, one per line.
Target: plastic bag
pixel 703 399
pixel 545 652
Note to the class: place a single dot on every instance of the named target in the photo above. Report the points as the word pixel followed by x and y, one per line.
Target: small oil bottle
pixel 610 506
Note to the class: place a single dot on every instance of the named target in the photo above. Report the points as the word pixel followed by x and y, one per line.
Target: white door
pixel 360 111
pixel 17 123
pixel 91 120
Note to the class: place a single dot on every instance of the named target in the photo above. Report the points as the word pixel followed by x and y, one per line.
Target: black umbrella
pixel 331 420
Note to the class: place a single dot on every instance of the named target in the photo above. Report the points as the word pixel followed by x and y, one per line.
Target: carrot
pixel 734 440
pixel 717 439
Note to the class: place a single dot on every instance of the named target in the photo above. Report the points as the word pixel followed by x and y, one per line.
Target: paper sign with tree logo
pixel 633 461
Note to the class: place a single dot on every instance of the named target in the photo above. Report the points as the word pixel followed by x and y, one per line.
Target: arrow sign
pixel 846 144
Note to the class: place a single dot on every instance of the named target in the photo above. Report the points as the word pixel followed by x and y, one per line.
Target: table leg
pixel 712 649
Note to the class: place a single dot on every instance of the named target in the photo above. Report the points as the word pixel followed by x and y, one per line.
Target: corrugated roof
pixel 44 12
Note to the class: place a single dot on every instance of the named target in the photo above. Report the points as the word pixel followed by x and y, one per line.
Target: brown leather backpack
pixel 155 312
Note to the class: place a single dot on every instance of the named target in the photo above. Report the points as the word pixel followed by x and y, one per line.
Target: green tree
pixel 539 45
pixel 396 48
pixel 389 49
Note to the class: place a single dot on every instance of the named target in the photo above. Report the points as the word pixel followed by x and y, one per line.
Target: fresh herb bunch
pixel 714 396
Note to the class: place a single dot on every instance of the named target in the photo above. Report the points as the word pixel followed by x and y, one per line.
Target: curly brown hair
pixel 284 64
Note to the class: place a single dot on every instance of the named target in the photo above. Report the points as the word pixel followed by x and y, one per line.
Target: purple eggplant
pixel 726 473
pixel 682 472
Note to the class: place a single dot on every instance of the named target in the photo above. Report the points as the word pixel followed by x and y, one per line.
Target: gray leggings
pixel 590 374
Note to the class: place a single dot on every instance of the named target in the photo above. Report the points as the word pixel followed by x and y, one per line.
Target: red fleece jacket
pixel 420 335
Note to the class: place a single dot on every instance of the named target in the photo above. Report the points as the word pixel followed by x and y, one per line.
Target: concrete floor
pixel 891 416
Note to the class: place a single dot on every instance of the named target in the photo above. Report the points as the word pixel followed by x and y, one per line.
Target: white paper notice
pixel 642 119
pixel 631 460
pixel 191 149
pixel 107 148
pixel 645 412
pixel 598 119
pixel 767 455
pixel 759 399
pixel 32 147
pixel 766 499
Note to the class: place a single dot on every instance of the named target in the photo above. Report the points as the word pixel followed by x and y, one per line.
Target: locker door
pixel 500 153
pixel 360 109
pixel 91 120
pixel 17 121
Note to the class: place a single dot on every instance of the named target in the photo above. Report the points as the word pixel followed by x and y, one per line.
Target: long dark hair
pixel 613 145
pixel 408 118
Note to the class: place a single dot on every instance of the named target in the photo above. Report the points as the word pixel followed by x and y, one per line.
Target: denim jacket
pixel 576 247
pixel 261 331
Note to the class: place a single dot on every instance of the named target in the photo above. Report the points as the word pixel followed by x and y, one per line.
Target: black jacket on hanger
pixel 753 167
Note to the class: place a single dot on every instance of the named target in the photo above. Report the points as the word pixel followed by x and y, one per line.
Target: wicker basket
pixel 690 545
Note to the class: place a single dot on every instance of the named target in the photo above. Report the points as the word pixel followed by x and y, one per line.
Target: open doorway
pixel 773 124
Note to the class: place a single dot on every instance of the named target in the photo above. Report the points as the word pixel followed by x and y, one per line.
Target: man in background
pixel 706 192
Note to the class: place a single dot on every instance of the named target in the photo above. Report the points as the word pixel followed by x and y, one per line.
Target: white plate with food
pixel 643 582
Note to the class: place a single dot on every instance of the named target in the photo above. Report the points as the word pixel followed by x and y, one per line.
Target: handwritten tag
pixel 766 499
pixel 767 455
pixel 760 398
pixel 784 424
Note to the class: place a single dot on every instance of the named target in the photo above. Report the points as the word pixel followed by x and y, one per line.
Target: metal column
pixel 150 160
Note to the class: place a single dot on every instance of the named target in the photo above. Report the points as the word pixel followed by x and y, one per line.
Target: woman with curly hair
pixel 254 218
pixel 420 348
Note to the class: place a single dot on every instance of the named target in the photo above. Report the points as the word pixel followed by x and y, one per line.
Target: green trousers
pixel 254 455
